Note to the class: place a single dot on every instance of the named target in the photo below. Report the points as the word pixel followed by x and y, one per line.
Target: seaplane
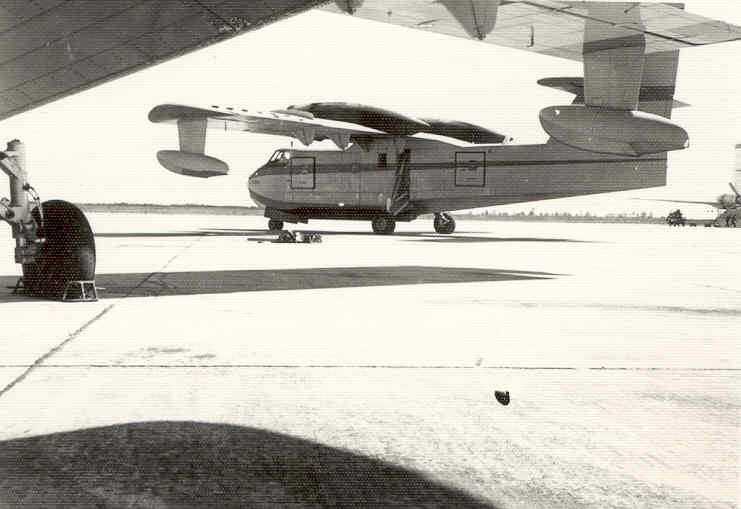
pixel 615 134
pixel 388 167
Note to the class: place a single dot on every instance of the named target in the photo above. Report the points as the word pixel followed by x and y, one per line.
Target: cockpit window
pixel 280 157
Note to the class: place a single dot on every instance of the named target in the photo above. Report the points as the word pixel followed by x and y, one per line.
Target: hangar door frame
pixel 303 173
pixel 470 169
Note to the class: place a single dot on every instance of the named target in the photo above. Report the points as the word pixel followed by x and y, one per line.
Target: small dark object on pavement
pixel 289 237
pixel 286 237
pixel 502 397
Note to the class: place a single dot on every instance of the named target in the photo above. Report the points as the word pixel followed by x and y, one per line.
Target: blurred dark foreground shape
pixel 191 464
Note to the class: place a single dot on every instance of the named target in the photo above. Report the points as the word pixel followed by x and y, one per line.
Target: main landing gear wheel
pixel 275 225
pixel 67 253
pixel 383 225
pixel 444 223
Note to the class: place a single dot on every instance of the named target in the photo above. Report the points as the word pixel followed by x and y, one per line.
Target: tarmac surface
pixel 220 369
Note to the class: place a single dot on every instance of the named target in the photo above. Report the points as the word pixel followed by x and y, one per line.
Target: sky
pixel 98 146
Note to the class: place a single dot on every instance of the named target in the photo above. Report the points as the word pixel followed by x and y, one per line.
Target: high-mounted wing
pixel 566 29
pixel 336 121
pixel 192 124
pixel 387 121
pixel 52 48
pixel 464 131
pixel 292 123
pixel 398 124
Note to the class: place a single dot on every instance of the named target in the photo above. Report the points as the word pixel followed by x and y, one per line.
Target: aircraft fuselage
pixel 430 176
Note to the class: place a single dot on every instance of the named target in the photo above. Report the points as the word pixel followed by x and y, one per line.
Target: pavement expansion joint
pixel 74 335
pixel 361 366
pixel 38 362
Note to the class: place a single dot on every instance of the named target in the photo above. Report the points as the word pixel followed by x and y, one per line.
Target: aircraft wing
pixel 689 202
pixel 52 48
pixel 296 124
pixel 566 29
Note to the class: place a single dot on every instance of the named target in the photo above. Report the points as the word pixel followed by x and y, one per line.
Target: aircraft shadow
pixel 192 464
pixel 453 239
pixel 195 233
pixel 232 281
pixel 239 232
pixel 265 235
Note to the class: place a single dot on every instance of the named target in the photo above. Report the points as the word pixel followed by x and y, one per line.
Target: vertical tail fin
pixel 659 83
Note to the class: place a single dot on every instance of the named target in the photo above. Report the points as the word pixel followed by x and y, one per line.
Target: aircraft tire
pixel 444 223
pixel 67 254
pixel 275 225
pixel 383 225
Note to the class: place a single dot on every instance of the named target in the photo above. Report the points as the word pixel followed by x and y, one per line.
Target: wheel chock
pixel 18 288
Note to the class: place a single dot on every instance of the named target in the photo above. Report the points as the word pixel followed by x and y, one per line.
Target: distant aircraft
pixel 615 135
pixel 728 205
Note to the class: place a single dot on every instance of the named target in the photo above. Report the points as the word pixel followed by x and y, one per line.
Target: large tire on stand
pixel 383 225
pixel 444 223
pixel 67 253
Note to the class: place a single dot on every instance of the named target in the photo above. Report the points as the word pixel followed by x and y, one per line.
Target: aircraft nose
pixel 254 185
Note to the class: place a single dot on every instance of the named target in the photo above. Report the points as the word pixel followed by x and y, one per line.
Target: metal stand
pixel 80 291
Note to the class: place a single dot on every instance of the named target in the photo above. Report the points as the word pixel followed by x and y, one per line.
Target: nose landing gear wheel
pixel 67 254
pixel 444 223
pixel 383 225
pixel 275 225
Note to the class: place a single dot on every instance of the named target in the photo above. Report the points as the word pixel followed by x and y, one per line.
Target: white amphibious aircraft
pixel 615 134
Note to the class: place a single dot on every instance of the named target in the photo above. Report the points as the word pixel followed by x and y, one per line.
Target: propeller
pixel 730 201
pixel 735 191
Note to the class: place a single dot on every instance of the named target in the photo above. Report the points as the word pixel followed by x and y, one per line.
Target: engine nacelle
pixel 191 164
pixel 601 130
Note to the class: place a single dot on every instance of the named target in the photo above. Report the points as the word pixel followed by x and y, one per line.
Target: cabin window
pixel 382 159
pixel 470 169
pixel 303 172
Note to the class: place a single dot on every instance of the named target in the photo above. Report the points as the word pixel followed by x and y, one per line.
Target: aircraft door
pixel 352 181
pixel 376 176
pixel 303 173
